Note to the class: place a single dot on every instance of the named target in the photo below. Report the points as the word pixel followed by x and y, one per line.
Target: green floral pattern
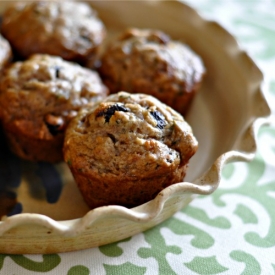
pixel 229 232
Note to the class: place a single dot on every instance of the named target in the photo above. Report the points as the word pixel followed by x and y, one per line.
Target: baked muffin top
pixel 71 30
pixel 128 135
pixel 148 61
pixel 44 90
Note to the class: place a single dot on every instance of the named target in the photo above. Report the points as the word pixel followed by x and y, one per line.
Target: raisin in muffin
pixel 38 97
pixel 126 149
pixel 70 30
pixel 5 52
pixel 148 61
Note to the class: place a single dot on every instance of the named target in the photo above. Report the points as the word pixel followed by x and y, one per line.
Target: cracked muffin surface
pixel 38 97
pixel 148 61
pixel 127 148
pixel 70 30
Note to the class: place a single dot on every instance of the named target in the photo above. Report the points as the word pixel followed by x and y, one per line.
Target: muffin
pixel 148 61
pixel 5 52
pixel 126 149
pixel 70 30
pixel 38 97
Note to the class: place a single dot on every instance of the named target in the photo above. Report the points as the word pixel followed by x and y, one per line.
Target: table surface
pixel 230 232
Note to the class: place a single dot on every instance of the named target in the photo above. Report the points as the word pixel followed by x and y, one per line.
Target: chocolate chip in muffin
pixel 107 113
pixel 57 71
pixel 161 123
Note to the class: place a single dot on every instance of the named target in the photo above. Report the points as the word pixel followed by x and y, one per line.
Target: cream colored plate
pixel 225 116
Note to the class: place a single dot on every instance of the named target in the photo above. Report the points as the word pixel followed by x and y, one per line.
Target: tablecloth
pixel 231 231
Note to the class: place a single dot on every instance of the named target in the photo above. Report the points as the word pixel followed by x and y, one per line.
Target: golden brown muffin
pixel 148 61
pixel 126 149
pixel 5 52
pixel 70 30
pixel 38 97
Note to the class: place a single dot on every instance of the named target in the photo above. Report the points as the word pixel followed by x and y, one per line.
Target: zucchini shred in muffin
pixel 38 97
pixel 126 149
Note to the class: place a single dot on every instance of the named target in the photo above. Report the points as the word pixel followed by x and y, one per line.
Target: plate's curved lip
pixel 205 185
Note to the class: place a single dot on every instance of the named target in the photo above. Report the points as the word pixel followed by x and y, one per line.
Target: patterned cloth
pixel 229 232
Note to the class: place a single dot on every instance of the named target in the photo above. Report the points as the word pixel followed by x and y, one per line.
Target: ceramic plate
pixel 46 213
